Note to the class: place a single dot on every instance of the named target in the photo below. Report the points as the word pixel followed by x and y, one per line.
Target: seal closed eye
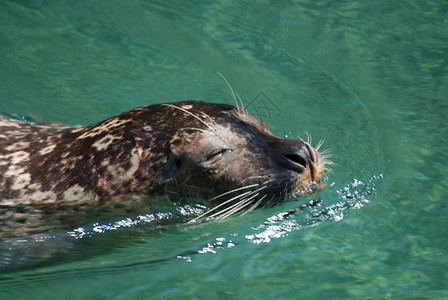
pixel 226 155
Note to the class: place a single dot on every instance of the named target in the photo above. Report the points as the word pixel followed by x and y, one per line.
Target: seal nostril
pixel 297 158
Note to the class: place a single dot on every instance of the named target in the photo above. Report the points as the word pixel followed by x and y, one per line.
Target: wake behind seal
pixel 53 176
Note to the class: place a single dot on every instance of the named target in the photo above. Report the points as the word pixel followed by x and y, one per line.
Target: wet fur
pixel 53 176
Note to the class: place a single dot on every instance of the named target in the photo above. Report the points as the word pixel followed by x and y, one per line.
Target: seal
pixel 54 176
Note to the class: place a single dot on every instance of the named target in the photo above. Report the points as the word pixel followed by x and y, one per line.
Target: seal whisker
pixel 220 205
pixel 254 206
pixel 193 128
pixel 222 214
pixel 244 111
pixel 259 176
pixel 207 115
pixel 287 192
pixel 238 105
pixel 191 114
pixel 309 139
pixel 321 142
pixel 267 203
pixel 327 153
pixel 185 180
pixel 234 190
pixel 329 170
pixel 235 208
pixel 327 157
pixel 191 189
pixel 329 162
pixel 248 193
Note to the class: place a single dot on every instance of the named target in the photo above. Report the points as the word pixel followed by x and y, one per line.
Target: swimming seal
pixel 51 175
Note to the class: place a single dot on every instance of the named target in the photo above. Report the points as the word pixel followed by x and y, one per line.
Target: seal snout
pixel 296 156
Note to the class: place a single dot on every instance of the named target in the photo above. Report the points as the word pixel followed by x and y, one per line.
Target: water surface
pixel 369 78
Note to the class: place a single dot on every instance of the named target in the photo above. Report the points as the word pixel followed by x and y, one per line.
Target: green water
pixel 371 78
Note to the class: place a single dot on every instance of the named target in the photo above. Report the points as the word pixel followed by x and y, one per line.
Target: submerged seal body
pixel 51 175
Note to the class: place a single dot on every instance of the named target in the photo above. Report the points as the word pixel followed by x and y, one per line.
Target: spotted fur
pixel 53 176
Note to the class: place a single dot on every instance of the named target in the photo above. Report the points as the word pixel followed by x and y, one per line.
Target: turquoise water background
pixel 368 77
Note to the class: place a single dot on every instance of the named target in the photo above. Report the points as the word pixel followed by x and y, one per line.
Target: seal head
pixel 233 150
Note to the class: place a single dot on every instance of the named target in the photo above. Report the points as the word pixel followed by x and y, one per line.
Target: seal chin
pixel 304 189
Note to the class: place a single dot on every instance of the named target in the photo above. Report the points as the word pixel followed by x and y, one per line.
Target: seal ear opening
pixel 172 167
pixel 178 163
